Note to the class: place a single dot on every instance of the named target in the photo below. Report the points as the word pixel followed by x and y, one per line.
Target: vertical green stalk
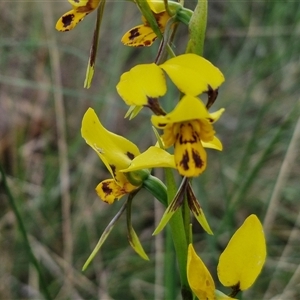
pixel 197 28
pixel 179 237
pixel 22 228
pixel 169 267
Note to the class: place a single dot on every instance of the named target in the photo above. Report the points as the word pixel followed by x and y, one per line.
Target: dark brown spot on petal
pixel 147 43
pixel 197 159
pixel 185 161
pixel 162 124
pixel 134 33
pixel 67 20
pixel 106 189
pixel 130 155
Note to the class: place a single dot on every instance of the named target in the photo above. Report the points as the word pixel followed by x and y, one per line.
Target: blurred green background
pixel 52 173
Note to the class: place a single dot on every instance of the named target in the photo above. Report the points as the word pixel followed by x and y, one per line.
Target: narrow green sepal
pixel 172 208
pixel 132 236
pixel 200 217
pixel 197 210
pixel 104 236
pixel 133 111
pixel 136 244
pixel 90 70
pixel 157 188
pixel 165 219
pixel 158 137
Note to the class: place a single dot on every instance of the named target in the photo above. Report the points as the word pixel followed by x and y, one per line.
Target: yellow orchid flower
pixel 145 83
pixel 239 264
pixel 80 8
pixel 122 158
pixel 189 128
pixel 143 35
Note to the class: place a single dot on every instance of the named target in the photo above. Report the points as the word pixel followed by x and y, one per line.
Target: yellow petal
pixel 109 191
pixel 242 260
pixel 115 151
pixel 189 154
pixel 69 20
pixel 214 144
pixel 215 116
pixel 81 8
pixel 199 277
pixel 188 108
pixel 193 74
pixel 153 157
pixel 141 83
pixel 139 36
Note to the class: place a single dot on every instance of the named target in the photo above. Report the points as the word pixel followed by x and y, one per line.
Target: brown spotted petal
pixel 109 191
pixel 80 9
pixel 189 154
pixel 143 35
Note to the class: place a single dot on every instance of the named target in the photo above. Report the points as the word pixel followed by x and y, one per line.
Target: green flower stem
pixel 169 267
pixel 179 237
pixel 22 228
pixel 197 28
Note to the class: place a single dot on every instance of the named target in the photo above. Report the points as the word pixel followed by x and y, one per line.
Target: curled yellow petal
pixel 193 74
pixel 242 260
pixel 141 83
pixel 199 277
pixel 115 151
